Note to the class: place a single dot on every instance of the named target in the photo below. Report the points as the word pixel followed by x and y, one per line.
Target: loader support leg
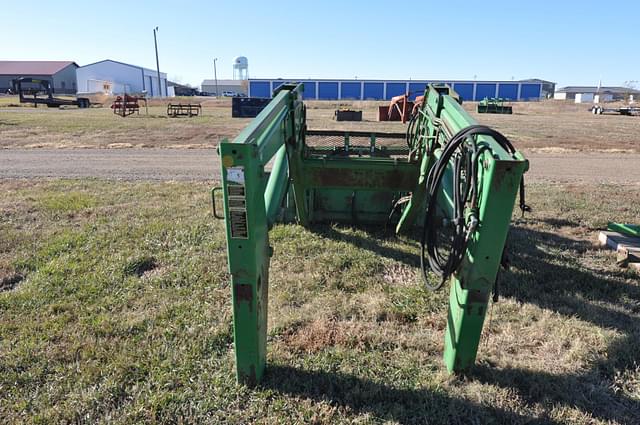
pixel 250 300
pixel 244 184
pixel 471 287
pixel 465 318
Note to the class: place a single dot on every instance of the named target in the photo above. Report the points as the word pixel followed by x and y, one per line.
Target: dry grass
pixel 542 126
pixel 557 125
pixel 123 315
pixel 99 128
pixel 115 305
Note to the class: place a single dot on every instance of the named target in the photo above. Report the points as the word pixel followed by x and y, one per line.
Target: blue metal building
pixel 385 89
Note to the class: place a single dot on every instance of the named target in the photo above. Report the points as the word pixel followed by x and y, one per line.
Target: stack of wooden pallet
pixel 625 240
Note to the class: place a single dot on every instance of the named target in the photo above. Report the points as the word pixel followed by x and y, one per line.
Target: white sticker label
pixel 235 175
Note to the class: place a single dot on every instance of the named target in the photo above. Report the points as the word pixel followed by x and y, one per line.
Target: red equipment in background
pixel 400 108
pixel 127 105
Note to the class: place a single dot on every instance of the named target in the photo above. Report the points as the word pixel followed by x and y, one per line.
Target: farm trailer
pixel 624 110
pixel 49 99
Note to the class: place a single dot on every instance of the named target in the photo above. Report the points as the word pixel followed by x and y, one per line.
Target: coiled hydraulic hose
pixel 464 222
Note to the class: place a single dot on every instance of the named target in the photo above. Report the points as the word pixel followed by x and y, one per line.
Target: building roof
pixel 183 86
pixel 125 64
pixel 535 80
pixel 33 67
pixel 222 82
pixel 594 89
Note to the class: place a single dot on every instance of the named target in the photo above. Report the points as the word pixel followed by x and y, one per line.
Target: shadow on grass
pixel 547 273
pixel 405 406
pixel 370 244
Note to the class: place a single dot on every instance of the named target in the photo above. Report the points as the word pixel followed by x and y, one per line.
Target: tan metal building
pixel 236 86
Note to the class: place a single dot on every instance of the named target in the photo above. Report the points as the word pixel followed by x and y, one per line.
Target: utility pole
pixel 155 41
pixel 215 76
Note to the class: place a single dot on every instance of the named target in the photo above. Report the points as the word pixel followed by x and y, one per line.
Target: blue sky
pixel 563 41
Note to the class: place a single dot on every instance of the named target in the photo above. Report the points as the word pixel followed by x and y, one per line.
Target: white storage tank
pixel 240 68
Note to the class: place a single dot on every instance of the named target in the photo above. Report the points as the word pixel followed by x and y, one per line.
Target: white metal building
pixel 581 94
pixel 113 77
pixel 584 97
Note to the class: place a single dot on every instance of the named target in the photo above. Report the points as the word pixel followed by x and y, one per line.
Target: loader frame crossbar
pixel 355 182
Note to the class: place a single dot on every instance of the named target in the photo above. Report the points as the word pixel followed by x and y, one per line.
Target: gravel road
pixel 203 164
pixel 117 164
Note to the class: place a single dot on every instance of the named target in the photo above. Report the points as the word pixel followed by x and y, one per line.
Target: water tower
pixel 240 68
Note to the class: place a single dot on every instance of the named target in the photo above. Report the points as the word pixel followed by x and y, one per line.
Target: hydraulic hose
pixel 464 221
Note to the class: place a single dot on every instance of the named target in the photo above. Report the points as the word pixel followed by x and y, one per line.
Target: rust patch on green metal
pixel 502 170
pixel 395 179
pixel 477 297
pixel 244 293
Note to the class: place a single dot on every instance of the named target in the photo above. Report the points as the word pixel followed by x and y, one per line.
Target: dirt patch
pixel 400 274
pixel 154 272
pixel 324 333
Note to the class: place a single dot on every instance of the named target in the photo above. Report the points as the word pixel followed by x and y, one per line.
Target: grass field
pixel 115 307
pixel 535 126
pixel 28 127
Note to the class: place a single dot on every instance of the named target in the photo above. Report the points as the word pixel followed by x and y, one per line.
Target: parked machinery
pixel 347 115
pixel 248 107
pixel 22 87
pixel 623 110
pixel 448 180
pixel 184 109
pixel 400 108
pixel 126 105
pixel 493 106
